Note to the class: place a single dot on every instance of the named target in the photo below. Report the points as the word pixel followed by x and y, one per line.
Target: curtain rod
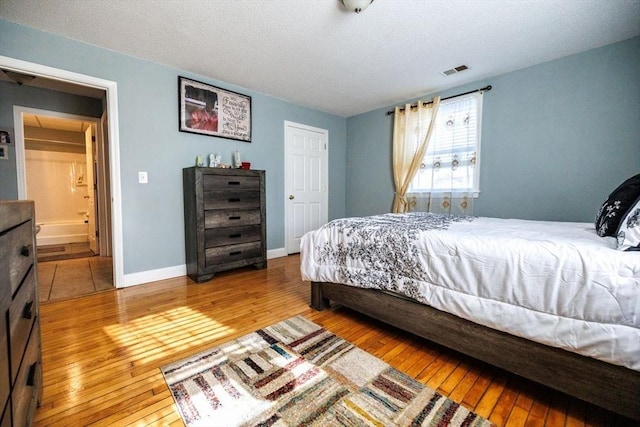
pixel 488 87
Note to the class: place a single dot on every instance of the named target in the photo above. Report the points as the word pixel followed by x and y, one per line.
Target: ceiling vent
pixel 454 70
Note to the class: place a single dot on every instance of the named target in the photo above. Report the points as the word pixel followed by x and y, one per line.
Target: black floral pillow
pixel 615 208
pixel 629 230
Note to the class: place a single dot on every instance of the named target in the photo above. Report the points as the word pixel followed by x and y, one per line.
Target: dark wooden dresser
pixel 20 354
pixel 224 220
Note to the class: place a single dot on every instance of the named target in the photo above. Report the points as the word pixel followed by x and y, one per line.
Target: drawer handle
pixel 26 251
pixel 233 182
pixel 235 253
pixel 27 312
pixel 31 377
pixel 234 200
pixel 233 218
pixel 235 236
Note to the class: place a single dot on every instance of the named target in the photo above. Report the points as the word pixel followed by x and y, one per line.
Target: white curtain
pixel 412 130
pixel 453 203
pixel 447 177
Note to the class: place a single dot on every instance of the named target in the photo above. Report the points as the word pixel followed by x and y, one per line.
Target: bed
pixel 552 302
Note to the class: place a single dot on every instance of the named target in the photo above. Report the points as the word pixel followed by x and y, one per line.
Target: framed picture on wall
pixel 4 151
pixel 5 136
pixel 210 110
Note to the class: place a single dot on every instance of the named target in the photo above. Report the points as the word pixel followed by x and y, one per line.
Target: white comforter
pixel 556 283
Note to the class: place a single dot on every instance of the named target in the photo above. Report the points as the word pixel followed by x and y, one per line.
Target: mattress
pixel 556 283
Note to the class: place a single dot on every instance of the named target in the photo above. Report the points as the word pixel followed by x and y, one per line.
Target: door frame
pixel 18 123
pixel 104 187
pixel 288 173
pixel 91 144
pixel 111 89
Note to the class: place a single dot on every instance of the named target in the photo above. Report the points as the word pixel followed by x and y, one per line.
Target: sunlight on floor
pixel 159 335
pixel 76 385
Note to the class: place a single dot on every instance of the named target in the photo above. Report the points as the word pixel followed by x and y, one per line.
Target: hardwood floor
pixel 102 352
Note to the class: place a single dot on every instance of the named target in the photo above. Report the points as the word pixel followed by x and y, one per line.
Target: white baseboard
pixel 276 253
pixel 133 279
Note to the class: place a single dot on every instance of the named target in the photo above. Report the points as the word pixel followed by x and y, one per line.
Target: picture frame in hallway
pixel 209 110
pixel 4 151
pixel 6 136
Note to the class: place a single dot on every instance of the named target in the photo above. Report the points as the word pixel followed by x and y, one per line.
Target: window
pixel 452 161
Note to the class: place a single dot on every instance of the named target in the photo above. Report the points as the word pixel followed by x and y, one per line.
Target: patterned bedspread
pixel 557 283
pixel 385 247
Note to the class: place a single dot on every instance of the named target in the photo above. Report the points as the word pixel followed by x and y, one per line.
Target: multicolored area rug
pixel 297 373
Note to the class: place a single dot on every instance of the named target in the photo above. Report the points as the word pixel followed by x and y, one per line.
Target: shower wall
pixel 56 180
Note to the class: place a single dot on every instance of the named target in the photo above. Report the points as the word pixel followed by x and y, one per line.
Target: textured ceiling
pixel 317 54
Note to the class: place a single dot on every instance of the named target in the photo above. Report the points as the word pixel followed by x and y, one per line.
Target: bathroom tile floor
pixel 64 251
pixel 71 278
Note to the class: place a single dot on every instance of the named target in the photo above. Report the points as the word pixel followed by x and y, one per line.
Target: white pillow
pixel 629 229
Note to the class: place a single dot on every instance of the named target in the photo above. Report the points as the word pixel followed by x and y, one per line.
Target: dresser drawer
pixel 230 182
pixel 232 253
pixel 16 253
pixel 232 199
pixel 5 301
pixel 232 235
pixel 24 398
pixel 22 314
pixel 231 217
pixel 5 421
pixel 4 361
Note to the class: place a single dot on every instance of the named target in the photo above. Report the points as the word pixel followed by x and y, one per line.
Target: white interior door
pixel 306 181
pixel 103 192
pixel 91 190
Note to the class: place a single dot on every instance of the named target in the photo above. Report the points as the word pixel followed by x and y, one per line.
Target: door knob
pixel 291 197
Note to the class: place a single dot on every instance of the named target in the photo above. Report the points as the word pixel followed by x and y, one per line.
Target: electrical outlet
pixel 143 178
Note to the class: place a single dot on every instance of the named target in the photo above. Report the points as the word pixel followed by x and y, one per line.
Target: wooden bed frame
pixel 612 387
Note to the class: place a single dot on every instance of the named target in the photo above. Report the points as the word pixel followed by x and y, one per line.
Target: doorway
pixel 63 173
pixel 74 80
pixel 306 181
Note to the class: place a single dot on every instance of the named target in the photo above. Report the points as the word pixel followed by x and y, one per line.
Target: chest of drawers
pixel 225 220
pixel 20 355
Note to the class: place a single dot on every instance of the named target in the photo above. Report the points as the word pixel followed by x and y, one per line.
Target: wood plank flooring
pixel 102 353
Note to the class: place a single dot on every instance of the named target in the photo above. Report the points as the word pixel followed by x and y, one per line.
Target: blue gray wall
pixel 557 138
pixel 150 141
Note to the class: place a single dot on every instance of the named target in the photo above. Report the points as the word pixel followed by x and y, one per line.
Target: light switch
pixel 143 178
